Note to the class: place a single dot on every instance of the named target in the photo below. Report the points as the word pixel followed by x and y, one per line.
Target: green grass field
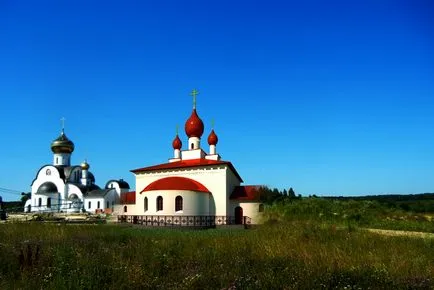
pixel 288 254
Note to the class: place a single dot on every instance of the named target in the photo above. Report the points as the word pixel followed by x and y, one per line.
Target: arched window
pixel 159 203
pixel 98 204
pixel 40 202
pixel 178 203
pixel 146 204
pixel 108 204
pixel 89 204
pixel 49 202
pixel 261 207
pixel 125 208
pixel 48 172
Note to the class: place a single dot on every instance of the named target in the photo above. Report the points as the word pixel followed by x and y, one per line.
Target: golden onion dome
pixel 62 144
pixel 84 165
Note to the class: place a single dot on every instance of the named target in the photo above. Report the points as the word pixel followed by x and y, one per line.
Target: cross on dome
pixel 194 125
pixel 194 93
pixel 63 123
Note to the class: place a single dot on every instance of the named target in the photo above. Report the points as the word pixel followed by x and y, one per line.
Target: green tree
pixel 291 193
pixel 25 196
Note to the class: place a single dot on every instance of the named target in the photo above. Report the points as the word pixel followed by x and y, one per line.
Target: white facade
pixel 192 203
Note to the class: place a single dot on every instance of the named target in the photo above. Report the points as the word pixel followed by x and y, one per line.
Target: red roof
pixel 188 163
pixel 176 183
pixel 247 192
pixel 128 197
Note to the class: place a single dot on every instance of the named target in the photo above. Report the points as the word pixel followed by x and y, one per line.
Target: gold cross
pixel 63 122
pixel 194 93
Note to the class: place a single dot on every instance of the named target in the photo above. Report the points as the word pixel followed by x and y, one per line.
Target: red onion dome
pixel 212 138
pixel 194 126
pixel 177 144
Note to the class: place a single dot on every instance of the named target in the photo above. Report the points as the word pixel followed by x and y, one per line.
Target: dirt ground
pixel 402 233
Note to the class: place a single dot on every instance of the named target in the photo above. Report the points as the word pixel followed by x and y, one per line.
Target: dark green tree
pixel 291 193
pixel 25 196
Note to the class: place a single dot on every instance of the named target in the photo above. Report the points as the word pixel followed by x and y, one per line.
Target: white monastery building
pixel 62 187
pixel 194 182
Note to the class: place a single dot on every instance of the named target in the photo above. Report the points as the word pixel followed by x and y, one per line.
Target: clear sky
pixel 327 97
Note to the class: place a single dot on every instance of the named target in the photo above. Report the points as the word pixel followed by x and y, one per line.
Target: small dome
pixel 212 138
pixel 62 144
pixel 177 144
pixel 194 125
pixel 46 188
pixel 84 165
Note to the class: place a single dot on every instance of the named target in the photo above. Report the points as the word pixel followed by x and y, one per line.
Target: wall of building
pixel 250 209
pixel 47 174
pixel 231 181
pixel 212 177
pixel 94 204
pixel 194 203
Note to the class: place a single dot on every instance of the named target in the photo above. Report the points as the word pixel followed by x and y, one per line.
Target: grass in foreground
pixel 286 255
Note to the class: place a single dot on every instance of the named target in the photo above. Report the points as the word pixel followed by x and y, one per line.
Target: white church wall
pixel 76 205
pixel 46 174
pixel 63 159
pixel 46 202
pixel 212 177
pixel 91 204
pixel 231 182
pixel 250 209
pixel 193 203
pixel 73 189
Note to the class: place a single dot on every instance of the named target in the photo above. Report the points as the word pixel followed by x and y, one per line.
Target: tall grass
pixel 364 213
pixel 289 255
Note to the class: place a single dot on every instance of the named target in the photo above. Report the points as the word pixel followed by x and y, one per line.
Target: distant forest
pixel 417 203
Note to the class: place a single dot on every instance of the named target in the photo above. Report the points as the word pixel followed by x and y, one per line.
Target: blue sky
pixel 327 97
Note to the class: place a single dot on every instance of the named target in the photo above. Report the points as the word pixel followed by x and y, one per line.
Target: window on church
pixel 146 204
pixel 192 146
pixel 178 203
pixel 39 202
pixel 108 205
pixel 48 172
pixel 89 204
pixel 98 205
pixel 49 202
pixel 125 208
pixel 159 203
pixel 261 207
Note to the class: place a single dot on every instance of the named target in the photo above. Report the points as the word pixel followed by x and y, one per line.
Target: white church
pixel 62 187
pixel 193 184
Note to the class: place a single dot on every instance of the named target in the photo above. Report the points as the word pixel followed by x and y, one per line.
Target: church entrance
pixel 238 215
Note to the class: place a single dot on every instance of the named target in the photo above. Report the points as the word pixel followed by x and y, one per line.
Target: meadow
pixel 284 254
